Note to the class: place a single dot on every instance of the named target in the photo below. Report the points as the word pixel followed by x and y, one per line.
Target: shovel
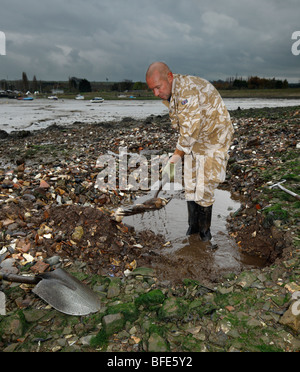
pixel 152 204
pixel 61 290
pixel 279 184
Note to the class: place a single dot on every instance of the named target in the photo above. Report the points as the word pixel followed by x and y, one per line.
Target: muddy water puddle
pixel 190 251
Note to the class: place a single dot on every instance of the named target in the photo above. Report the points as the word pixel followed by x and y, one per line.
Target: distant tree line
pixel 79 85
pixel 127 85
pixel 253 82
pixel 76 85
pixel 22 85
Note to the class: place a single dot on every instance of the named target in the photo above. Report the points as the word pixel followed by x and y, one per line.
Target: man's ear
pixel 170 77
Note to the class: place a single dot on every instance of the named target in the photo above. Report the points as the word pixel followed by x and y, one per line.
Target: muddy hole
pixel 187 255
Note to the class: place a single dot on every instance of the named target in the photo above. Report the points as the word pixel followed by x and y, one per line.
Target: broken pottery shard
pixel 44 184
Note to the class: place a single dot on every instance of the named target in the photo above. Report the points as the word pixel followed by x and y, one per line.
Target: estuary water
pixel 41 113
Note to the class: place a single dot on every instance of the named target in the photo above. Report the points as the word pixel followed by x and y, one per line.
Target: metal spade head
pixel 66 293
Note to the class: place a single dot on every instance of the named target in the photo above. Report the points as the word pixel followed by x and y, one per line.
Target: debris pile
pixel 264 151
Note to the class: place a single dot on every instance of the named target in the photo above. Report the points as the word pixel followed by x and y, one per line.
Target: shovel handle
pixel 19 278
pixel 158 191
pixel 161 185
pixel 289 192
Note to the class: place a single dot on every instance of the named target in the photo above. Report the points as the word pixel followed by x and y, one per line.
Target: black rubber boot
pixel 204 218
pixel 193 218
pixel 199 219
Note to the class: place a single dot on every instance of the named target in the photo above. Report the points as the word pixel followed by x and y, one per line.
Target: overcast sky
pixel 118 39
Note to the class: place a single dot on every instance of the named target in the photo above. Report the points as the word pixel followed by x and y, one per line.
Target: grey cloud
pixel 118 39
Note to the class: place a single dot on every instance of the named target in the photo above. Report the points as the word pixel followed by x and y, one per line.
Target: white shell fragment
pixel 118 214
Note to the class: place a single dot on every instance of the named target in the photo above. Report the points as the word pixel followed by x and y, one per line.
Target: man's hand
pixel 169 170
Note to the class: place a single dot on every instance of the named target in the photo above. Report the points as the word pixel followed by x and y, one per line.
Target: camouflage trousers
pixel 202 175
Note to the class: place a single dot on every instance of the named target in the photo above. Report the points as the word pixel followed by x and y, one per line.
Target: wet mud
pixel 188 256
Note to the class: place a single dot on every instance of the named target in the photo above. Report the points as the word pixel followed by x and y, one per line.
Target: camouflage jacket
pixel 198 112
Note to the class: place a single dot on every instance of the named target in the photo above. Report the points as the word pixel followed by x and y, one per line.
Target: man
pixel 198 112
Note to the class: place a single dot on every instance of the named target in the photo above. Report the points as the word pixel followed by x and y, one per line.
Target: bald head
pixel 160 67
pixel 159 79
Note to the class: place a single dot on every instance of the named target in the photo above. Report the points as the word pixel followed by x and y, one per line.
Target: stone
pixel 78 234
pixel 11 348
pixel 144 271
pixel 252 323
pixel 3 134
pixel 127 309
pixel 34 315
pixel 114 288
pixel 156 344
pixel 150 299
pixel 291 319
pixel 29 197
pixel 170 308
pixel 54 260
pixel 224 290
pixel 173 308
pixel 113 323
pixel 7 222
pixel 85 340
pixel 12 328
pixel 246 279
pixel 218 339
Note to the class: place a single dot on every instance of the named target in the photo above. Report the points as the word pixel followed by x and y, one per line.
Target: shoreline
pixel 290 93
pixel 58 116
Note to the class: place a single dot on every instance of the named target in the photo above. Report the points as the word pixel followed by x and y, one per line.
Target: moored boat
pixel 97 100
pixel 25 98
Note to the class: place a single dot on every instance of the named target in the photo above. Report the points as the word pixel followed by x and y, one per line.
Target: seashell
pixel 118 214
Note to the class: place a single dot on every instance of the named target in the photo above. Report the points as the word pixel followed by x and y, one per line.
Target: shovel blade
pixel 67 294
